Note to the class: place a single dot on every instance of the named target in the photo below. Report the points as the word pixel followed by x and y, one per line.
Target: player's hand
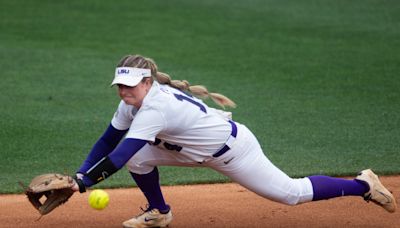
pixel 78 186
pixel 75 186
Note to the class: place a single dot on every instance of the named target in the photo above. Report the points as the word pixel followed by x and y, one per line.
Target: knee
pixel 136 168
pixel 300 191
pixel 291 200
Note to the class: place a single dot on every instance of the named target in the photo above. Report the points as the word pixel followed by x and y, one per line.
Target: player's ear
pixel 148 81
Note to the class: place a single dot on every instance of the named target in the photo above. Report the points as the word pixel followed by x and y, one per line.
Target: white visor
pixel 130 76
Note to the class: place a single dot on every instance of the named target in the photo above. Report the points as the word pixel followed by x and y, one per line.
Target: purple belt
pixel 229 142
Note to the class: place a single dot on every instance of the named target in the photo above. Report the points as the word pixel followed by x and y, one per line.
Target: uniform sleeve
pixel 104 145
pixel 123 117
pixel 110 164
pixel 146 125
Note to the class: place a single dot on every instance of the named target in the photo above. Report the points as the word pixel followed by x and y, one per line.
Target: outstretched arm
pixel 104 146
pixel 109 164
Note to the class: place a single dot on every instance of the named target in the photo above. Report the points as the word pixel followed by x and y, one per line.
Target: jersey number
pixel 183 97
pixel 167 145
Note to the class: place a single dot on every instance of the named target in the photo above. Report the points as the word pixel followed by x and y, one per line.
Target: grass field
pixel 317 81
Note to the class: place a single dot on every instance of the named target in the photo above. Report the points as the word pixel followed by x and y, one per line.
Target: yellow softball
pixel 98 199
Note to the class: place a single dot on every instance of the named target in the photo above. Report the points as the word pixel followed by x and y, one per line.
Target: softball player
pixel 164 124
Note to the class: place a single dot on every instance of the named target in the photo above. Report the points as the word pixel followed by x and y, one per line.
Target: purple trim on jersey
pixel 225 148
pixel 125 150
pixel 149 184
pixel 329 187
pixel 106 143
pixel 120 156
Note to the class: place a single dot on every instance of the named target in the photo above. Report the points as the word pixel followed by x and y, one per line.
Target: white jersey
pixel 194 132
pixel 183 123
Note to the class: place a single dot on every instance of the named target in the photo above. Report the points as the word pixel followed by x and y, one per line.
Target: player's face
pixel 134 95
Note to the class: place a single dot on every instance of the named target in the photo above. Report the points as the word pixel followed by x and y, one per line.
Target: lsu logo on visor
pixel 123 71
pixel 132 71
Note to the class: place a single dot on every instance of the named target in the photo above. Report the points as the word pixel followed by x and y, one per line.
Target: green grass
pixel 316 81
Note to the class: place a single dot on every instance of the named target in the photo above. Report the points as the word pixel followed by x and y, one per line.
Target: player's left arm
pixel 111 163
pixel 104 146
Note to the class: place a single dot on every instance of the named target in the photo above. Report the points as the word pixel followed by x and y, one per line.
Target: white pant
pixel 245 163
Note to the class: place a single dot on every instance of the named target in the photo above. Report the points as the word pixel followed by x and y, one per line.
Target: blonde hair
pixel 199 91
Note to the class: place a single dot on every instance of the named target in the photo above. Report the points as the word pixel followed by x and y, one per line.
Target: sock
pixel 325 187
pixel 150 186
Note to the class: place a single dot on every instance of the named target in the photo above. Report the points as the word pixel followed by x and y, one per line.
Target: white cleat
pixel 377 192
pixel 151 218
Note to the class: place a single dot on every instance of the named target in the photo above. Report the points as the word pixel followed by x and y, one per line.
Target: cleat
pixel 149 218
pixel 377 192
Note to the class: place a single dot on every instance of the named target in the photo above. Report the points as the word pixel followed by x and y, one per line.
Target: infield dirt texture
pixel 217 205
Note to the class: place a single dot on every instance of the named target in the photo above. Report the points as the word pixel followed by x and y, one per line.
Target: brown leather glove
pixel 56 189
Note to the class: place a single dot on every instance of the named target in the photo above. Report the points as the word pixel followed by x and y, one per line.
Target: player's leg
pixel 326 187
pixel 252 169
pixel 246 164
pixel 143 169
pixel 149 184
pixel 366 184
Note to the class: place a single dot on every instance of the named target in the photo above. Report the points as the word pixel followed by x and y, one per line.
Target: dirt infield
pixel 218 205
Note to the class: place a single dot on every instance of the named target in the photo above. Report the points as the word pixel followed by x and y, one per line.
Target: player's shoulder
pixel 158 96
pixel 126 109
pixel 165 90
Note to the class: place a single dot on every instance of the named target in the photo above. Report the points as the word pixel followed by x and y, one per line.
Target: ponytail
pixel 197 90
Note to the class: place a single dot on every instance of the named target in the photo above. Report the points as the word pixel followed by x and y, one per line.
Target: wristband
pixel 100 171
pixel 81 186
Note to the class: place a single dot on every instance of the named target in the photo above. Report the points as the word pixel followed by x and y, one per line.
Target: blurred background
pixel 317 81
